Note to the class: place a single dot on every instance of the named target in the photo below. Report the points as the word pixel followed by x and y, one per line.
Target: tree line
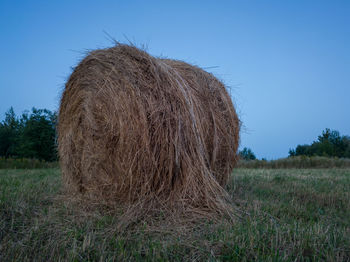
pixel 31 135
pixel 329 144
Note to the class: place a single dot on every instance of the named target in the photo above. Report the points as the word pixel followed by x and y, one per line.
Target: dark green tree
pixel 247 154
pixel 302 150
pixel 292 152
pixel 346 141
pixel 9 130
pixel 38 133
pixel 33 135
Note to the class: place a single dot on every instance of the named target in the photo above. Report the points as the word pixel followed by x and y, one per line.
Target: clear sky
pixel 287 63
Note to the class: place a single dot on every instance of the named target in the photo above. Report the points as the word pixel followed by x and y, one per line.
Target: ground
pixel 284 215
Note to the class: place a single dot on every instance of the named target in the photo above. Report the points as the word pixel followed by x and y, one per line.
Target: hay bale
pixel 219 122
pixel 141 131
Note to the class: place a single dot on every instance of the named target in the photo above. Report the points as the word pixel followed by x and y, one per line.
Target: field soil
pixel 282 215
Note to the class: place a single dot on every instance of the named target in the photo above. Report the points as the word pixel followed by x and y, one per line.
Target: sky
pixel 286 63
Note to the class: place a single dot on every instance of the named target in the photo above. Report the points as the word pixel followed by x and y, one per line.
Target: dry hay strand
pixel 147 134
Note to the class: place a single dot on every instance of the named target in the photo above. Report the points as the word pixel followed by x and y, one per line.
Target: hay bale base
pixel 147 134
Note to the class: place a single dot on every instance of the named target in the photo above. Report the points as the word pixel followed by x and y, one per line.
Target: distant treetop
pixel 330 144
pixel 247 154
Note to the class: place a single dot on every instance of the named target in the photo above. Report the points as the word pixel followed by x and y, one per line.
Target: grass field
pixel 288 215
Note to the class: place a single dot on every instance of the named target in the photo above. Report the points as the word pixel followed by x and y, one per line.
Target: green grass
pixel 25 163
pixel 300 162
pixel 289 215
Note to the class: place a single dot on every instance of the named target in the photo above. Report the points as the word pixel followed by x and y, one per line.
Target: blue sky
pixel 287 63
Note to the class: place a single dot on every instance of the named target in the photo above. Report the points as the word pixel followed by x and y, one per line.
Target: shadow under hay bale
pixel 147 134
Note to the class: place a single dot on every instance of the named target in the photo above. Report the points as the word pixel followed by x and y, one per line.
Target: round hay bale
pixel 137 129
pixel 220 126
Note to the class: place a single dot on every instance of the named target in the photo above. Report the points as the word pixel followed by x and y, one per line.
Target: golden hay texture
pixel 147 133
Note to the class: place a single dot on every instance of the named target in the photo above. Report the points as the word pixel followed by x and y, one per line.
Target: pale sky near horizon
pixel 287 63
